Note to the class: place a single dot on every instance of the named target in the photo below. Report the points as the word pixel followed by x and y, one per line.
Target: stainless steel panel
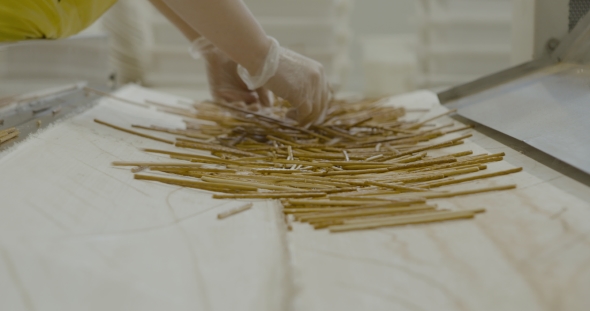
pixel 549 110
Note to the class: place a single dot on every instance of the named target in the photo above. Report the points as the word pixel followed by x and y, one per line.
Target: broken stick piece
pixel 234 211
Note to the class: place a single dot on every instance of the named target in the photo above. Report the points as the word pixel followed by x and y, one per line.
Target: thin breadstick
pixel 405 220
pixel 134 132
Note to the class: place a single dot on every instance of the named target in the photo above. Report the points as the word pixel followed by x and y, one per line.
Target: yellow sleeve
pixel 48 19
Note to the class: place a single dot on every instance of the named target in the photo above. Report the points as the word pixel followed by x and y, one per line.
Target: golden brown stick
pixel 270 195
pixel 395 186
pixel 306 163
pixel 195 184
pixel 380 203
pixel 246 183
pixel 471 178
pixel 417 125
pixel 322 224
pixel 351 172
pixel 208 147
pixel 138 169
pixel 456 164
pixel 134 132
pixel 461 154
pixel 468 192
pixel 7 131
pixel 459 129
pixel 150 164
pixel 452 141
pixel 405 220
pixel 283 141
pixel 172 131
pixel 322 216
pixel 234 211
pixel 9 136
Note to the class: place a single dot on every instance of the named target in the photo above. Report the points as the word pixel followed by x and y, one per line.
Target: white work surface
pixel 77 234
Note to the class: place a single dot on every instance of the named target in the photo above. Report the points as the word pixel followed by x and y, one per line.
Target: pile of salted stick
pixel 367 166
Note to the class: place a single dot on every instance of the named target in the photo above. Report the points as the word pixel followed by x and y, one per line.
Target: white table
pixel 79 234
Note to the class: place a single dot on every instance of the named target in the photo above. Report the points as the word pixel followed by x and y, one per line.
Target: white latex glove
pixel 295 78
pixel 224 82
pixel 232 28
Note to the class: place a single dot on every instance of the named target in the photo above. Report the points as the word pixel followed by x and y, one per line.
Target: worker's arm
pixel 224 83
pixel 231 30
pixel 188 31
pixel 229 25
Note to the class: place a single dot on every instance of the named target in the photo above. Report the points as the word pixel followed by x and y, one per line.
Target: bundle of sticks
pixel 366 166
pixel 8 134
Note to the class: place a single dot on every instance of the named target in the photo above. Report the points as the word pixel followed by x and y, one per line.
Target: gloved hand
pixel 224 83
pixel 295 78
pixel 232 28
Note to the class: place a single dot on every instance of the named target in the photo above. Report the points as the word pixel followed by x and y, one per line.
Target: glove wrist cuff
pixel 199 47
pixel 268 70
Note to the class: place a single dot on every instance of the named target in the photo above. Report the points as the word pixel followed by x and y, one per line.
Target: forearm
pixel 229 25
pixel 188 31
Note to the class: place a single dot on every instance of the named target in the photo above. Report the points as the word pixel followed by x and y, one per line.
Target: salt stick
pixel 374 157
pixel 306 210
pixel 456 164
pixel 360 122
pixel 396 186
pixel 337 133
pixel 208 147
pixel 134 132
pixel 305 185
pixel 322 224
pixel 195 184
pixel 424 163
pixel 246 183
pixel 234 211
pixel 467 192
pixel 405 220
pixel 388 218
pixel 419 124
pixel 461 171
pixel 451 141
pixel 313 164
pixel 270 195
pixel 484 156
pixel 88 89
pixel 138 169
pixel 150 164
pixel 188 155
pixel 459 129
pixel 7 131
pixel 409 158
pixel 461 154
pixel 8 137
pixel 284 141
pixel 362 212
pixel 471 178
pixel 351 172
pixel 381 203
pixel 172 131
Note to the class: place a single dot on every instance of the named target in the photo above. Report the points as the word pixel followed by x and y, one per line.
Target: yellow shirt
pixel 48 19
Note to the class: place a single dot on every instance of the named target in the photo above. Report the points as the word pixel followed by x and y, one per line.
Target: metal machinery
pixel 544 102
